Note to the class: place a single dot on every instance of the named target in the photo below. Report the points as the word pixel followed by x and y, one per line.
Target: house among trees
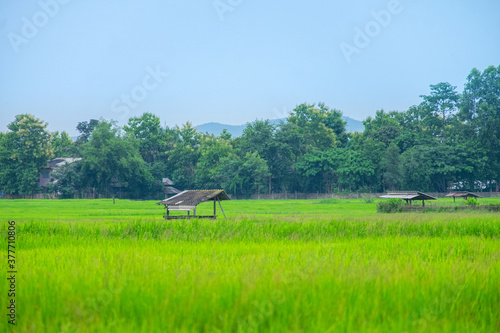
pixel 188 200
pixel 52 165
pixel 168 188
pixel 408 196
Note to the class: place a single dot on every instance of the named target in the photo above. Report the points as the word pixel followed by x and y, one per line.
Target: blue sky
pixel 233 61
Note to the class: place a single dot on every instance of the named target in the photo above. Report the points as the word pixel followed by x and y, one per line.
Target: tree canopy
pixel 451 140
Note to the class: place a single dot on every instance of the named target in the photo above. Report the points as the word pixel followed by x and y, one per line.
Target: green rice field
pixel 331 265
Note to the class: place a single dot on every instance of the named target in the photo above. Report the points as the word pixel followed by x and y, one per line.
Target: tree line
pixel 450 140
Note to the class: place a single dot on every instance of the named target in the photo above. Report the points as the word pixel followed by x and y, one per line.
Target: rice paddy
pixel 327 265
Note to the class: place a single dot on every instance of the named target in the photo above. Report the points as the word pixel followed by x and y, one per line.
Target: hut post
pixel 222 210
pixel 215 210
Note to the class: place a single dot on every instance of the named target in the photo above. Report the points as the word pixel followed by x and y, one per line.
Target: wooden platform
pixel 183 217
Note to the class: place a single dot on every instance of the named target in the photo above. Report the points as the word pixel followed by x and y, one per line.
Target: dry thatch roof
pixel 195 197
pixel 408 195
pixel 463 195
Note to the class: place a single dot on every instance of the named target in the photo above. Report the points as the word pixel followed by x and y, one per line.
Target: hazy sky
pixel 233 61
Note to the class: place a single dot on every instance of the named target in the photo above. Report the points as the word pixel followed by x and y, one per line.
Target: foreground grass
pixel 317 266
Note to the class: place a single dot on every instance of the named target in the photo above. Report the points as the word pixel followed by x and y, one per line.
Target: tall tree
pixel 258 136
pixel 443 100
pixel 24 152
pixel 151 136
pixel 384 127
pixel 244 175
pixel 316 125
pixel 183 157
pixel 212 150
pixel 85 128
pixel 391 164
pixel 63 145
pixel 111 161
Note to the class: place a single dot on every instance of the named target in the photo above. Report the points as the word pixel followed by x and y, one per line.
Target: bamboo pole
pixel 222 210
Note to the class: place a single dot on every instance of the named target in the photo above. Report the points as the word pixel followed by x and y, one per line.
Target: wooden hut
pixel 408 196
pixel 464 195
pixel 188 200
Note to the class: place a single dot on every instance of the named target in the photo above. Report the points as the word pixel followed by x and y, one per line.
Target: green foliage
pixel 151 136
pixel 390 206
pixel 184 155
pixel 319 127
pixel 212 151
pixel 472 202
pixel 67 180
pixel 448 141
pixel 62 145
pixel 85 128
pixel 246 175
pixel 24 152
pixel 111 161
pixel 391 164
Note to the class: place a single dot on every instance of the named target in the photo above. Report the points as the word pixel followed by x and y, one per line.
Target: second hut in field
pixel 408 196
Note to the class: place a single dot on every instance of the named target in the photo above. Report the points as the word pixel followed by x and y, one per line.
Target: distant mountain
pixel 352 125
pixel 217 128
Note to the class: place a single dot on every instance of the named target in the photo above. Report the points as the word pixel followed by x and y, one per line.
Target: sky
pixel 233 61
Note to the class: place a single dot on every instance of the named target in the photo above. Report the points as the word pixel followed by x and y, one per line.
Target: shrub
pixel 472 202
pixel 390 206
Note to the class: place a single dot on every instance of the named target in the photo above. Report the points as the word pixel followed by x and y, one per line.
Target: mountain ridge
pixel 352 125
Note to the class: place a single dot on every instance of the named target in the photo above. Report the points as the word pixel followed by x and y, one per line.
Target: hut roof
pixel 167 182
pixel 463 195
pixel 408 195
pixel 171 190
pixel 194 197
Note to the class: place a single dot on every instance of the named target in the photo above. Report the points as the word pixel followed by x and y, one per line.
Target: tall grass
pixel 319 266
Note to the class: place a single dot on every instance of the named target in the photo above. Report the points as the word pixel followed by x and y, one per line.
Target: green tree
pixel 259 136
pixel 151 136
pixel 184 155
pixel 384 127
pixel 111 161
pixel 85 128
pixel 67 180
pixel 62 145
pixel 417 163
pixel 317 125
pixel 212 150
pixel 24 152
pixel 356 171
pixel 367 153
pixel 413 129
pixel 480 118
pixel 443 100
pixel 391 166
pixel 245 175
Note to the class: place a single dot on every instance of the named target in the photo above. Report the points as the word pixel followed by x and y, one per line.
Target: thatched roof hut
pixel 188 200
pixel 408 196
